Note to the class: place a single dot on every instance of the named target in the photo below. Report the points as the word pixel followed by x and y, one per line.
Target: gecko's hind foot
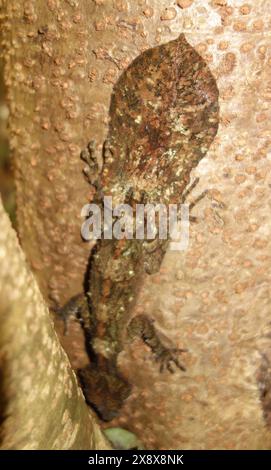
pixel 168 357
pixel 76 307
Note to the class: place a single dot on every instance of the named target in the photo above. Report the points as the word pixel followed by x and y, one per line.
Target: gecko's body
pixel 163 118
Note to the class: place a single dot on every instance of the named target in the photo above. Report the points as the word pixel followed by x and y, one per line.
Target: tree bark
pixel 42 406
pixel 63 58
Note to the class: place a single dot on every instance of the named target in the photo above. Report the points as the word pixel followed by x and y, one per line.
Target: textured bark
pixel 63 58
pixel 42 406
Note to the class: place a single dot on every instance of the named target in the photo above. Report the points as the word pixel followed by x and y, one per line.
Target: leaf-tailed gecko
pixel 164 115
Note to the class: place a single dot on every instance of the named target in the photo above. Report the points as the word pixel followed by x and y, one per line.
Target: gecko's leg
pixel 88 155
pixel 154 250
pixel 188 190
pixel 198 199
pixel 195 201
pixel 77 307
pixel 217 204
pixel 142 326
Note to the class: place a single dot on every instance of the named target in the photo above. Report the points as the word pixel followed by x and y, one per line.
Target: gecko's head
pixel 104 391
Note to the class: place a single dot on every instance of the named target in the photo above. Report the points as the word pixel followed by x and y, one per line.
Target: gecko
pixel 164 115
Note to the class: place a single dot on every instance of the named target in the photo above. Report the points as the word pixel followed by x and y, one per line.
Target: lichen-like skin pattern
pixel 163 117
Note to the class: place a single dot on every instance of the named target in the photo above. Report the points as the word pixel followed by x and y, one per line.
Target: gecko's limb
pixel 142 326
pixel 154 250
pixel 195 201
pixel 198 199
pixel 188 190
pixel 77 307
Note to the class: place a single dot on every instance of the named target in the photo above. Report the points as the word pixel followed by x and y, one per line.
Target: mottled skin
pixel 163 118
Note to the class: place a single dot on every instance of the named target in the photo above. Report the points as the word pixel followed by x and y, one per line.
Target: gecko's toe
pixel 168 357
pixel 84 155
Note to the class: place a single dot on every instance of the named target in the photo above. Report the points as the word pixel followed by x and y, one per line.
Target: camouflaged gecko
pixel 163 118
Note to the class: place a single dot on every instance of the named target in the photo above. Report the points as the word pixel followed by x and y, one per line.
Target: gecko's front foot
pixel 167 357
pixel 142 326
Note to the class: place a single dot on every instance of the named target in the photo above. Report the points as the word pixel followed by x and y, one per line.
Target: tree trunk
pixel 42 406
pixel 63 58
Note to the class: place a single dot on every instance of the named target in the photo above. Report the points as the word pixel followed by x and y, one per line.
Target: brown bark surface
pixel 42 406
pixel 63 58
